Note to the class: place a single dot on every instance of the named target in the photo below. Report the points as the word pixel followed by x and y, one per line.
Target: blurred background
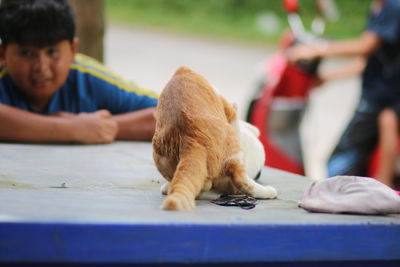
pixel 249 21
pixel 226 41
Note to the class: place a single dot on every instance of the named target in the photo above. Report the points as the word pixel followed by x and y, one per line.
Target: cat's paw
pixel 179 203
pixel 264 192
pixel 164 189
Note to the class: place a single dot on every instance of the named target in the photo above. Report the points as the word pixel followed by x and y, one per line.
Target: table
pixel 92 204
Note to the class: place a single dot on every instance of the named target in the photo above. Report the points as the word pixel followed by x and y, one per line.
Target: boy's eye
pixel 52 51
pixel 26 53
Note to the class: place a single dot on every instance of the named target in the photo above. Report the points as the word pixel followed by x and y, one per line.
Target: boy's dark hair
pixel 38 23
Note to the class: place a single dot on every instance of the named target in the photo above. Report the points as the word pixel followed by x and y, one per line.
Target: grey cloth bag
pixel 350 194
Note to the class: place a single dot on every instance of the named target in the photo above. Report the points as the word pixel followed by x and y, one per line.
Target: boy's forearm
pixel 137 125
pixel 17 125
pixel 362 46
pixel 353 68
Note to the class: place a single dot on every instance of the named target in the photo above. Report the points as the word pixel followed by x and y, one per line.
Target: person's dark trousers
pixel 352 153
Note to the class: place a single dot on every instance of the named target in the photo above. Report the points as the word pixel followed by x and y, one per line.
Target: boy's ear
pixel 75 45
pixel 2 55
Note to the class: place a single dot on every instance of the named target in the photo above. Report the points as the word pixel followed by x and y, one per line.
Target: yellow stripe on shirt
pixel 3 72
pixel 87 64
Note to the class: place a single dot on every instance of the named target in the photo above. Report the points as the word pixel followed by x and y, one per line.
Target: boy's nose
pixel 41 64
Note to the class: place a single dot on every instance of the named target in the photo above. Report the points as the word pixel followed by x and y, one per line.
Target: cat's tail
pixel 189 178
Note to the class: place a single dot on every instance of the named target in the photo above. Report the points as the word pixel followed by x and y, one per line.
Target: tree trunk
pixel 90 26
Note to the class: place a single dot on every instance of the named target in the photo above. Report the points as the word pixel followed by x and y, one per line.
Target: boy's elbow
pixel 369 42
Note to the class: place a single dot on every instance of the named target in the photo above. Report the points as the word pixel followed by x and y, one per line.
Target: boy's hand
pixel 302 52
pixel 94 128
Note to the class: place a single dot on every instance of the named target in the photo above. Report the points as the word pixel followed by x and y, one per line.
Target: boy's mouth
pixel 39 83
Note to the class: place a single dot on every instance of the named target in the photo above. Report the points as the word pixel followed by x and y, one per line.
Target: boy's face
pixel 38 72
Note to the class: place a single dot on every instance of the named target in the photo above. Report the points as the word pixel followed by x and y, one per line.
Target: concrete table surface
pixel 100 203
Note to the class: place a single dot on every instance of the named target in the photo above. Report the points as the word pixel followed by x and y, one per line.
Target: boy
pixel 50 94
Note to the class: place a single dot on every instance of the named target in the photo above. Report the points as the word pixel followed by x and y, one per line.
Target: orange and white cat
pixel 196 146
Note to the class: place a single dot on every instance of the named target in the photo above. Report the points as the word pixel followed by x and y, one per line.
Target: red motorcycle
pixel 277 107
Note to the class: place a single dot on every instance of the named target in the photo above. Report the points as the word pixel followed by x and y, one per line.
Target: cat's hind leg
pixel 236 170
pixel 189 178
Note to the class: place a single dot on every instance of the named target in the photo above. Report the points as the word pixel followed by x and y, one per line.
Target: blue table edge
pixel 196 243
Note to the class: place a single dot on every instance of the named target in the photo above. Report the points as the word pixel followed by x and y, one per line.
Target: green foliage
pixel 235 19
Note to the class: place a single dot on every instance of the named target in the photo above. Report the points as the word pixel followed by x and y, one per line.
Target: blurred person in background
pixel 389 146
pixel 379 45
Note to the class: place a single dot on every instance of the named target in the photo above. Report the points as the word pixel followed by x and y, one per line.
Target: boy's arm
pixel 352 68
pixel 136 125
pixel 17 125
pixel 361 46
